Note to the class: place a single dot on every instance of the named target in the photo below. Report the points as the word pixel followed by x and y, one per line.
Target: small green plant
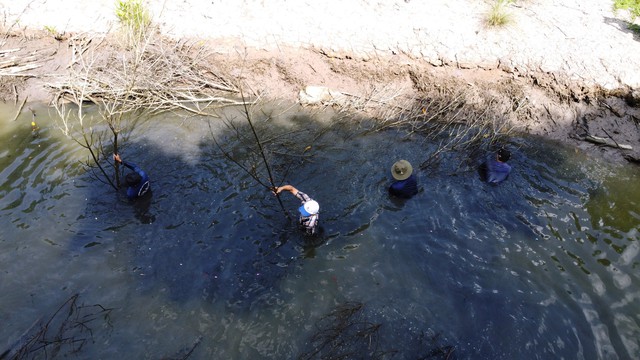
pixel 133 15
pixel 51 30
pixel 498 15
pixel 633 7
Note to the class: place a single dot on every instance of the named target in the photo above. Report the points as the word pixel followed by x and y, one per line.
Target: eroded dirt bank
pixel 541 103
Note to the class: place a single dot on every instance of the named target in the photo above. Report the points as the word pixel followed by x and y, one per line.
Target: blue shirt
pixel 142 187
pixel 496 171
pixel 404 188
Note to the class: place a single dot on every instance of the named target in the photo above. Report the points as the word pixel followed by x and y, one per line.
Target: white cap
pixel 309 208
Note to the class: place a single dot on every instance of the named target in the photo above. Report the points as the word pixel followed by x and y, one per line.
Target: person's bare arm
pixel 288 188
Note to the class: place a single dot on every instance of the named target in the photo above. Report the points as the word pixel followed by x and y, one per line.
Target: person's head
pixel 503 155
pixel 401 170
pixel 309 208
pixel 133 179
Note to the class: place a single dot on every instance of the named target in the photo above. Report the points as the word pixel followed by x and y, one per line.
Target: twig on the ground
pixel 606 142
pixel 611 137
pixel 15 94
pixel 614 111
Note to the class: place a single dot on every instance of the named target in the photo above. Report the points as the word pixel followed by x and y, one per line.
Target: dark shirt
pixel 142 187
pixel 496 171
pixel 307 223
pixel 404 188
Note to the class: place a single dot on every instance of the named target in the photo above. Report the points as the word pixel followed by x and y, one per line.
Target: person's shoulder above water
pixel 137 181
pixel 309 210
pixel 496 166
pixel 405 184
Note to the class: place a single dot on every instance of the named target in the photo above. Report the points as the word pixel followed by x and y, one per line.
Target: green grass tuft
pixel 633 6
pixel 133 15
pixel 498 15
pixel 50 29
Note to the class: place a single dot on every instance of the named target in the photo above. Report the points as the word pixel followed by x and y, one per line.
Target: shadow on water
pixel 204 233
pixel 543 262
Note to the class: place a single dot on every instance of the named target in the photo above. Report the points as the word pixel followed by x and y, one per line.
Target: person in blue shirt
pixel 496 166
pixel 309 211
pixel 137 181
pixel 405 184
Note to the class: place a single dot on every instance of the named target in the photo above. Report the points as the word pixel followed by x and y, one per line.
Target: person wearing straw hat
pixel 496 166
pixel 309 210
pixel 405 184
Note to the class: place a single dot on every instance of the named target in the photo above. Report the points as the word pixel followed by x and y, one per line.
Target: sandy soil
pixel 570 62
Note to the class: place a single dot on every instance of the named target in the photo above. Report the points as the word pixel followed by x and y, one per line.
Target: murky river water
pixel 543 266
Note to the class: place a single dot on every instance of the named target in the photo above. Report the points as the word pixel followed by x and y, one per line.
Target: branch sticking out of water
pixel 64 333
pixel 141 79
pixel 270 184
pixel 264 157
pixel 344 333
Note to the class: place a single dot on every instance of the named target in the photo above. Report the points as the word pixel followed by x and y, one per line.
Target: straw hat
pixel 401 170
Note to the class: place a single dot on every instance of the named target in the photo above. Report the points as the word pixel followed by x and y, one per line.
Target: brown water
pixel 542 266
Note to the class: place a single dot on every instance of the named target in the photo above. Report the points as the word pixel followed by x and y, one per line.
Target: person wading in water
pixel 137 181
pixel 309 211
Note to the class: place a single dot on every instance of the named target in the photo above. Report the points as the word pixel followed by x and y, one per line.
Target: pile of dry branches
pixel 454 114
pixel 155 75
pixel 16 63
pixel 124 83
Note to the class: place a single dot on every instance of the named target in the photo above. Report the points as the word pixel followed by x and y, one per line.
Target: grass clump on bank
pixel 633 6
pixel 134 17
pixel 498 15
pixel 633 9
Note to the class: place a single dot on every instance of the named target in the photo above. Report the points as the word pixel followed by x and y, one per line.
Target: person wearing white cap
pixel 309 211
pixel 405 184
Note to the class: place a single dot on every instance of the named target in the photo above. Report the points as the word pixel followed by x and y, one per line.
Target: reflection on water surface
pixel 541 266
